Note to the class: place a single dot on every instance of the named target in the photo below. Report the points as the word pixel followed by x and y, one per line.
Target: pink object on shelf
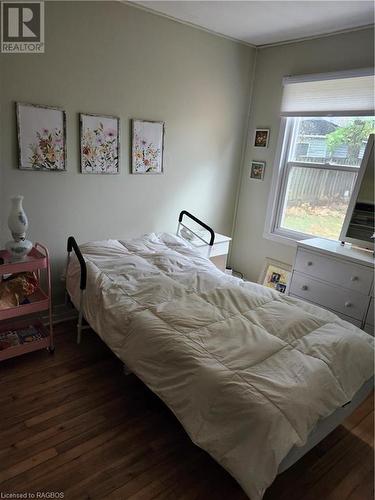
pixel 40 300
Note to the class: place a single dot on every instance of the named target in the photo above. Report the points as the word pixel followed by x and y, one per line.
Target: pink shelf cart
pixel 38 261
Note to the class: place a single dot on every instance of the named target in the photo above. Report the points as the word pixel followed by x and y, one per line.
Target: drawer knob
pixel 309 263
pixel 305 287
pixel 348 304
pixel 354 278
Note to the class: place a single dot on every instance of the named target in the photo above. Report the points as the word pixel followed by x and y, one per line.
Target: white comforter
pixel 247 371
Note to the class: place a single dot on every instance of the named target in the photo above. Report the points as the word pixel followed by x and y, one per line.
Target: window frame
pixel 276 201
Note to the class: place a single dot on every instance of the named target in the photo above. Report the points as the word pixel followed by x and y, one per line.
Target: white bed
pixel 255 377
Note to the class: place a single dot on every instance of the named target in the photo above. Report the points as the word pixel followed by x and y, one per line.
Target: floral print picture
pixel 41 137
pixel 99 144
pixel 147 147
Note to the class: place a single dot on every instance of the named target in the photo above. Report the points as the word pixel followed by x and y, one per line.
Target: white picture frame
pixel 99 144
pixel 41 134
pixel 275 275
pixel 147 147
pixel 261 138
pixel 257 169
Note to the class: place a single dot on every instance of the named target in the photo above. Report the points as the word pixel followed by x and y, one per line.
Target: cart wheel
pixel 51 350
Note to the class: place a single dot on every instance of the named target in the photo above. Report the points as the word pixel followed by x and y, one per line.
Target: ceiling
pixel 266 22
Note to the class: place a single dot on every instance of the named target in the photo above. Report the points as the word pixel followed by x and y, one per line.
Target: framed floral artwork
pixel 261 137
pixel 275 275
pixel 41 134
pixel 257 170
pixel 147 147
pixel 99 144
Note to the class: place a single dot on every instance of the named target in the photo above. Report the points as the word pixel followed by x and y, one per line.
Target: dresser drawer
pixel 338 272
pixel 343 301
pixel 355 322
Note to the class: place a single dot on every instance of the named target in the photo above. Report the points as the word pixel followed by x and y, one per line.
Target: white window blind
pixel 343 93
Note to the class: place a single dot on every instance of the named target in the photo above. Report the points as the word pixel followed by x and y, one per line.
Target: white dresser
pixel 336 277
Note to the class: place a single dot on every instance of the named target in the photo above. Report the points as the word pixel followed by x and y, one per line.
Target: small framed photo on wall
pixel 147 147
pixel 257 170
pixel 41 132
pixel 261 137
pixel 99 144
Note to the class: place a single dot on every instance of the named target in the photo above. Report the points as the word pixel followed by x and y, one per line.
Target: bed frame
pixel 207 228
pixel 323 427
pixel 72 245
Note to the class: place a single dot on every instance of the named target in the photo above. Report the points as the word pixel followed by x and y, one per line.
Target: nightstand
pixel 219 250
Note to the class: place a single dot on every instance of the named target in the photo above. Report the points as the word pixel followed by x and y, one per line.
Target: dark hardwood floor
pixel 73 423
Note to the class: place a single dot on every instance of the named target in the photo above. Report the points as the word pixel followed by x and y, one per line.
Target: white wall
pixel 333 53
pixel 107 57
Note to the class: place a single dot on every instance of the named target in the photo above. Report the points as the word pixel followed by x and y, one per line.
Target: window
pixel 320 172
pixel 319 160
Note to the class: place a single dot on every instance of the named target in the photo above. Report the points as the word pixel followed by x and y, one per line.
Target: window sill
pixel 285 239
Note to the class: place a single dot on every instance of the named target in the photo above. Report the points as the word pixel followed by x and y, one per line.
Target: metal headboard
pixel 195 219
